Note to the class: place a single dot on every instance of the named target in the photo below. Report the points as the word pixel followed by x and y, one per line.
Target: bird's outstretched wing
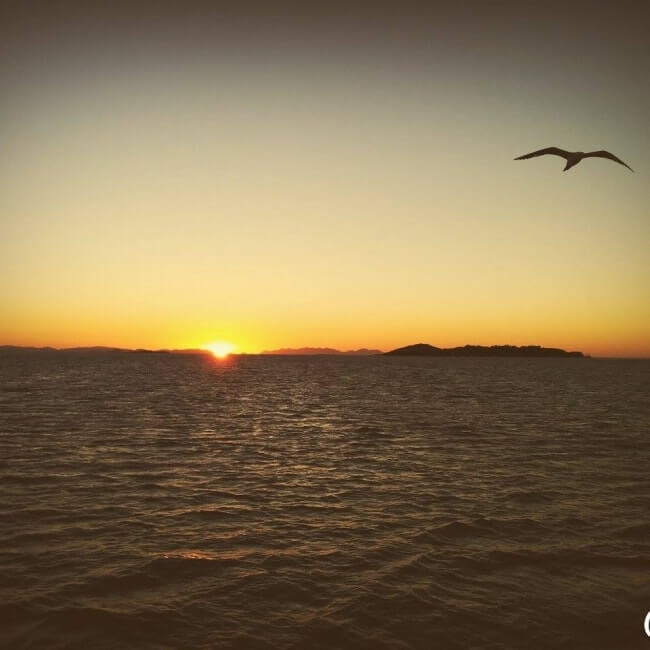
pixel 609 156
pixel 552 150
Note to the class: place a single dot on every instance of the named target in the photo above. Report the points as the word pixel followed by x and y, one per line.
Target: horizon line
pixel 275 352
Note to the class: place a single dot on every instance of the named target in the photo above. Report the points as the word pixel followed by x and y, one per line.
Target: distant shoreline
pixel 418 349
pixel 459 352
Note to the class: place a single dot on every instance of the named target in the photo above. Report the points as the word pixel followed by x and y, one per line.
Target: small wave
pixel 637 531
pixel 568 558
pixel 17 388
pixel 178 565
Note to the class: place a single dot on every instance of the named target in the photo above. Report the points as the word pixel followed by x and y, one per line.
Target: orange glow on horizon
pixel 220 349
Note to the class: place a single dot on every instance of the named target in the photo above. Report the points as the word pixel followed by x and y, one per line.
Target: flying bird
pixel 573 157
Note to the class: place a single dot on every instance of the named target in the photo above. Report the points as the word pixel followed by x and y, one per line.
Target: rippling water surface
pixel 172 501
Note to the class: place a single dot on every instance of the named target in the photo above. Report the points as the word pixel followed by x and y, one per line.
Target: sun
pixel 220 349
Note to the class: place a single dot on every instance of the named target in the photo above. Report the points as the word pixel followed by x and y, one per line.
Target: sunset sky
pixel 282 176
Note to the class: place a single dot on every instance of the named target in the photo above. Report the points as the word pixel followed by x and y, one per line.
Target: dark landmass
pixel 419 349
pixel 314 351
pixel 93 348
pixel 26 348
pixel 146 351
pixel 424 349
pixel 98 349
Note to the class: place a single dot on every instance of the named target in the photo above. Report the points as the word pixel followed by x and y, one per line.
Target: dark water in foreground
pixel 175 502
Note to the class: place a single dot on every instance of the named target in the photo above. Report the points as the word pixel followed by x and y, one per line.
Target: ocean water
pixel 172 501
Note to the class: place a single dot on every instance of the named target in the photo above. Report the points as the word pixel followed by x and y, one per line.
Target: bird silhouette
pixel 573 157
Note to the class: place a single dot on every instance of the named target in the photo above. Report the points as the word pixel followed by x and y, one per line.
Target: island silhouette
pixel 424 349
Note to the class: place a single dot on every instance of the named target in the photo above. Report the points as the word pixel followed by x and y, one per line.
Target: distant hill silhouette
pixel 25 348
pixel 313 351
pixel 419 349
pixel 97 349
pixel 424 349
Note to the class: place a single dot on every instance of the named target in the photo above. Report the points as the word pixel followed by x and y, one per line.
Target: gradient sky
pixel 173 174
